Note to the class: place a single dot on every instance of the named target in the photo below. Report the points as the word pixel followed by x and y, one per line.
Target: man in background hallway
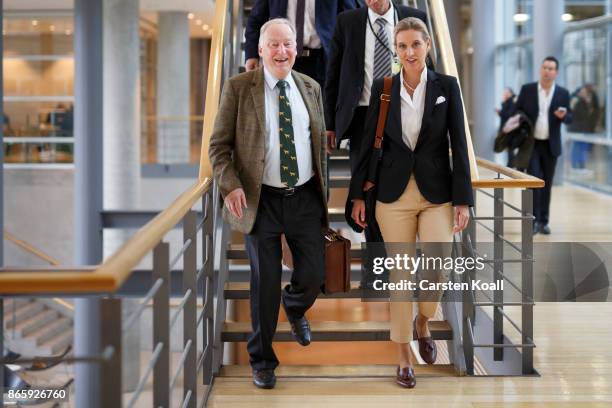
pixel 547 105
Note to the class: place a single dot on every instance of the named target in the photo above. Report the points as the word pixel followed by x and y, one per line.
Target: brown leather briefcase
pixel 337 261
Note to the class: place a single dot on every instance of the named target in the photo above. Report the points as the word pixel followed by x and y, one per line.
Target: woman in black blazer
pixel 421 191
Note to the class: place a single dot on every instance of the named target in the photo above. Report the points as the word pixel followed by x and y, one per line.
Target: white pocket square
pixel 440 100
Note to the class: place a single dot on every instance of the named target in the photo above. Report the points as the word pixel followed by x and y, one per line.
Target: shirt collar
pixel 422 79
pixel 271 80
pixel 552 89
pixel 389 16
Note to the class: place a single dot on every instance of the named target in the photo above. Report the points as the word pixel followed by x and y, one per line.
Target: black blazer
pixel 430 159
pixel 264 10
pixel 345 67
pixel 528 103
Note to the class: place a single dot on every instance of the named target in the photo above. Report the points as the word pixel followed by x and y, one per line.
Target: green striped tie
pixel 288 160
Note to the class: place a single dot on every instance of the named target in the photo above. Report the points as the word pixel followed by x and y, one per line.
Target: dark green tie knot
pixel 282 84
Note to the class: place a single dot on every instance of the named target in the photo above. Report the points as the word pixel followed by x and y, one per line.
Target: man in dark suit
pixel 547 105
pixel 314 21
pixel 358 39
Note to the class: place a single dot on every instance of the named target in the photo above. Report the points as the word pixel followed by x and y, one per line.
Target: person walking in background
pixel 418 195
pixel 547 105
pixel 314 21
pixel 267 152
pixel 585 107
pixel 506 111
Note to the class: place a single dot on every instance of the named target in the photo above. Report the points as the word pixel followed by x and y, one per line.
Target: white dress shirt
pixel 311 38
pixel 301 132
pixel 412 110
pixel 370 44
pixel 541 126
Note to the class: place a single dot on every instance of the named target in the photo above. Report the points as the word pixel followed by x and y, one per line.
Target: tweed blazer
pixel 237 144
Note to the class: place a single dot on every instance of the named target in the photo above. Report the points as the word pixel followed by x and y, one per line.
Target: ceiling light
pixel 34 23
pixel 68 32
pixel 205 27
pixel 190 16
pixel 198 22
pixel 521 17
pixel 567 17
pixel 51 27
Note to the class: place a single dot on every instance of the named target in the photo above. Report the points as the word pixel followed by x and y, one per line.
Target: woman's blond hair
pixel 411 23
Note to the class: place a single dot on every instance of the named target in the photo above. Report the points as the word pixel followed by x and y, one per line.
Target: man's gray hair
pixel 272 22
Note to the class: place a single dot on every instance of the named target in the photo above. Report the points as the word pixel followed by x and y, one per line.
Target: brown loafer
pixel 405 377
pixel 427 346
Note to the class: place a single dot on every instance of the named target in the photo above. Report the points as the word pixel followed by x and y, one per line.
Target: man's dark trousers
pixel 542 165
pixel 299 217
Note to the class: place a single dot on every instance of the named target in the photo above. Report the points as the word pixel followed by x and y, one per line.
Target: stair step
pixel 339 181
pixel 52 330
pixel 240 290
pixel 36 322
pixel 11 303
pixel 334 331
pixel 354 371
pixel 22 313
pixel 57 343
pixel 237 251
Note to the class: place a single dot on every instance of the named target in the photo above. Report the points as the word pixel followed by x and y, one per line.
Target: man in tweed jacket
pixel 267 152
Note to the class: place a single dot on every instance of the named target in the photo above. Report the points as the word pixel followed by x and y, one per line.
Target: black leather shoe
pixel 301 330
pixel 264 379
pixel 545 229
pixel 405 377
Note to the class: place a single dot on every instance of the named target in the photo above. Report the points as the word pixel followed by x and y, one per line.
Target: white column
pixel 173 87
pixel 547 32
pixel 483 75
pixel 122 142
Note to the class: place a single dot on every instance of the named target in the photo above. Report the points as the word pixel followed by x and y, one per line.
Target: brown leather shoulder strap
pixel 385 98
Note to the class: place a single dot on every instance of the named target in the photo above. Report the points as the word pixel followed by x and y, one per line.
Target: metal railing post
pixel 498 265
pixel 111 335
pixel 190 332
pixel 208 251
pixel 527 279
pixel 467 306
pixel 161 326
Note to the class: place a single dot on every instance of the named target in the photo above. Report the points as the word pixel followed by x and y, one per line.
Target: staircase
pixel 33 328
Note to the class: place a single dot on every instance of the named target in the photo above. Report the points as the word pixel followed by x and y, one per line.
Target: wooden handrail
pixel 516 178
pixel 213 89
pixel 30 249
pixel 449 66
pixel 108 277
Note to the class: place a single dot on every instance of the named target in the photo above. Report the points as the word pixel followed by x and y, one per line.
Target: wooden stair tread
pixel 237 251
pixel 339 371
pixel 240 290
pixel 334 331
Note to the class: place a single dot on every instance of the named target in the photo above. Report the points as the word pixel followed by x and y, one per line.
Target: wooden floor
pixel 573 354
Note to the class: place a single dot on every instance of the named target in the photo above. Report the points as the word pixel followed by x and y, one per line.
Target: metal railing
pixel 106 281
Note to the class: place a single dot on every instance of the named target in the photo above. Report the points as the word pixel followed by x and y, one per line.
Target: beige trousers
pixel 402 221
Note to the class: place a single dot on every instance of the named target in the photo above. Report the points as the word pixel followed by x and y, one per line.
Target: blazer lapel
pixel 310 101
pixel 259 100
pixel 393 127
pixel 359 31
pixel 431 95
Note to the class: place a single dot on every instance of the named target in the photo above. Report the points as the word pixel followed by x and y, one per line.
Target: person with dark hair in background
pixel 506 111
pixel 314 21
pixel 585 106
pixel 547 105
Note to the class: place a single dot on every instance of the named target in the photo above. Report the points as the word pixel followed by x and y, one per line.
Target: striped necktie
pixel 288 160
pixel 382 61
